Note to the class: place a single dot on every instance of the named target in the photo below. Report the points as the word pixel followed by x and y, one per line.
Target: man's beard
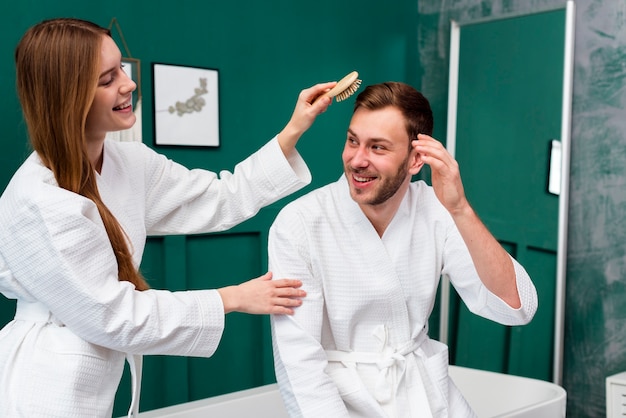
pixel 387 188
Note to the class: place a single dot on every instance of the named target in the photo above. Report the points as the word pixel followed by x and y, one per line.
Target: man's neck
pixel 382 214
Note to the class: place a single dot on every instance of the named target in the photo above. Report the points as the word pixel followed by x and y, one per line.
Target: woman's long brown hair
pixel 58 66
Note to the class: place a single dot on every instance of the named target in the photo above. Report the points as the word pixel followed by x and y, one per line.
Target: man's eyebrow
pixel 374 140
pixel 388 141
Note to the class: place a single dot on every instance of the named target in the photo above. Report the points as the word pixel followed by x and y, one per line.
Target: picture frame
pixel 186 105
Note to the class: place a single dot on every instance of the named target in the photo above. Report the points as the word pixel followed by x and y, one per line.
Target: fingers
pixel 427 143
pixel 287 288
pixel 266 296
pixel 287 283
pixel 287 296
pixel 285 306
pixel 280 282
pixel 317 90
pixel 433 152
pixel 319 104
pixel 446 176
pixel 287 302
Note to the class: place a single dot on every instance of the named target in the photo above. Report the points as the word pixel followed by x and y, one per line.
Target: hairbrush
pixel 344 88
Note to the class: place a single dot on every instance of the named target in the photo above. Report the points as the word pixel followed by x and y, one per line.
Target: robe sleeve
pixel 182 201
pixel 299 358
pixel 479 300
pixel 56 248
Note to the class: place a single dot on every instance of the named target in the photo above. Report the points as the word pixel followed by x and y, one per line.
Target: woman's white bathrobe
pixel 358 345
pixel 64 353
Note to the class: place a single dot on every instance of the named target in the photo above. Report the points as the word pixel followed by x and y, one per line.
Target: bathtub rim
pixel 560 393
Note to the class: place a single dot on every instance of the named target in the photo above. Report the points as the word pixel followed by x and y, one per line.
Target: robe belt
pixel 37 312
pixel 392 361
pixel 135 363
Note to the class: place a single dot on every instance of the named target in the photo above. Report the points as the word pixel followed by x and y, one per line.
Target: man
pixel 370 250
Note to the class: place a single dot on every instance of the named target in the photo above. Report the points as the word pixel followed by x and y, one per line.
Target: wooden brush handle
pixel 343 84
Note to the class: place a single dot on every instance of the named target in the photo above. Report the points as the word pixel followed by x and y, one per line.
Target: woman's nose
pixel 129 85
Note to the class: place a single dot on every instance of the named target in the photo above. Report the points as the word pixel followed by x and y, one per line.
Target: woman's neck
pixel 95 153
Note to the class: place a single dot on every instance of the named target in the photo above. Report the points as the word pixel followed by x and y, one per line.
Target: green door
pixel 509 110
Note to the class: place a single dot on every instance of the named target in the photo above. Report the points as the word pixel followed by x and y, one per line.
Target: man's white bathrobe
pixel 64 353
pixel 358 345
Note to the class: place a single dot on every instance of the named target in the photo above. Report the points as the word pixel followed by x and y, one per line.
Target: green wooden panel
pixel 473 335
pixel 509 109
pixel 531 346
pixel 217 261
pixel 240 362
pixel 477 342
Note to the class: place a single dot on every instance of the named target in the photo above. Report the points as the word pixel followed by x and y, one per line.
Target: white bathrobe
pixel 64 353
pixel 358 345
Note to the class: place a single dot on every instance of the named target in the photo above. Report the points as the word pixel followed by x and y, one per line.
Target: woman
pixel 73 224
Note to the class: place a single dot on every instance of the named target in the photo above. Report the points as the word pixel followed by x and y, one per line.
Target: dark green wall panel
pixel 531 346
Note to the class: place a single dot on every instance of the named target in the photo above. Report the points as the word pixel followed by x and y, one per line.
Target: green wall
pixel 266 52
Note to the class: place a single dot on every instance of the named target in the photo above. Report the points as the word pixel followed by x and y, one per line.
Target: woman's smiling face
pixel 111 109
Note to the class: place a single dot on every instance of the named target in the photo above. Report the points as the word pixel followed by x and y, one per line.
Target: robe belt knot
pixel 392 363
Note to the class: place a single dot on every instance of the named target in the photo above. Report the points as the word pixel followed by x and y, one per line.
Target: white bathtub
pixel 261 402
pixel 490 394
pixel 501 395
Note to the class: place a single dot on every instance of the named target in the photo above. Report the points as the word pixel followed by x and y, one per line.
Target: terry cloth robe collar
pixel 365 235
pixel 397 360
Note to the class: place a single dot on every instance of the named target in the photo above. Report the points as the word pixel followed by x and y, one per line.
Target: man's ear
pixel 415 162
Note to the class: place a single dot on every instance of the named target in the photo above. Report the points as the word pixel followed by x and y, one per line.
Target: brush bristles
pixel 349 91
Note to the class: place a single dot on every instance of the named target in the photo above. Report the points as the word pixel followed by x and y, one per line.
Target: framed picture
pixel 186 105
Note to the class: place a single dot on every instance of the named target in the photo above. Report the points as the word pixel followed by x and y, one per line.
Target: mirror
pixel 509 118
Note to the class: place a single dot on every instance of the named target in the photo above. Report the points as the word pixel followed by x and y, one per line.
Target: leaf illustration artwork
pixel 194 104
